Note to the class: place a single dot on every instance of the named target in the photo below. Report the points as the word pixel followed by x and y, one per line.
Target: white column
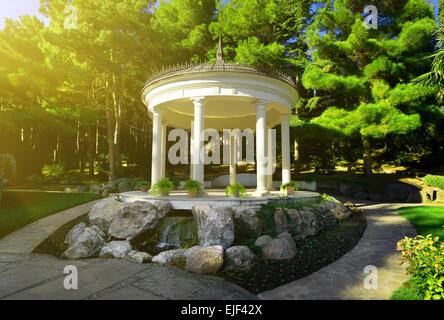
pixel 260 148
pixel 285 140
pixel 269 148
pixel 197 139
pixel 163 153
pixel 156 151
pixel 191 151
pixel 232 160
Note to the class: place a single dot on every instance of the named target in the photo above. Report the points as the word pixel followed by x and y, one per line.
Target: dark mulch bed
pixel 315 252
pixel 54 244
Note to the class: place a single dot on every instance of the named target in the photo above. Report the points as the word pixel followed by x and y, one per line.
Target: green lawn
pixel 19 208
pixel 426 220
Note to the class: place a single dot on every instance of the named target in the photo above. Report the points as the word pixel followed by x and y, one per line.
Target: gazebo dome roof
pixel 230 91
pixel 219 65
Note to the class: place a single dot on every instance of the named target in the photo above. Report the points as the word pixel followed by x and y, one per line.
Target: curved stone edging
pixel 344 278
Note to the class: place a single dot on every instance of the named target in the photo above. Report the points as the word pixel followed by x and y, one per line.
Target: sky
pixel 15 8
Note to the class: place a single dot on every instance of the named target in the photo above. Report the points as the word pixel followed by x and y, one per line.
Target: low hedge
pixel 434 181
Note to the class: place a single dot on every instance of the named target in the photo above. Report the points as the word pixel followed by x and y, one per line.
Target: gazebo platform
pixel 215 197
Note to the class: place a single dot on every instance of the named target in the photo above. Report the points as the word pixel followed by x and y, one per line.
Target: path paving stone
pixel 344 278
pixel 26 239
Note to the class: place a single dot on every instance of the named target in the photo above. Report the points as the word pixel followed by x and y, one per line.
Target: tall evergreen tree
pixel 361 77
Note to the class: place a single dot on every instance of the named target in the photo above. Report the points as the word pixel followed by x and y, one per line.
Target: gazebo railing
pixel 190 68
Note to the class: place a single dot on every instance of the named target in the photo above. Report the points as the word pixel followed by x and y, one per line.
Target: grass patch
pixel 314 253
pixel 426 220
pixel 20 208
pixel 405 292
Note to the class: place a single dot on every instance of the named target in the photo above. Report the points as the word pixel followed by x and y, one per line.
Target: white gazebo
pixel 219 96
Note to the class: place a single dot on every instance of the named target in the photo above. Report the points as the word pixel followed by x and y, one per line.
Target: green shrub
pixel 53 171
pixel 192 185
pixel 162 184
pixel 290 184
pixel 425 256
pixel 142 184
pixel 434 181
pixel 235 189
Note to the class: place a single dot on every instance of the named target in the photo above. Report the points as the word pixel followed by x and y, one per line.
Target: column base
pixel 260 193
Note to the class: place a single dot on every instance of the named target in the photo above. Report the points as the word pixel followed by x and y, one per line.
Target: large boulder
pixel 162 206
pixel 338 209
pixel 398 191
pixel 74 233
pixel 174 257
pixel 215 225
pixel 239 257
pixel 324 216
pixel 134 219
pixel 204 260
pixel 118 249
pixel 299 223
pixel 139 256
pixel 282 247
pixel 246 220
pixel 103 213
pixel 86 244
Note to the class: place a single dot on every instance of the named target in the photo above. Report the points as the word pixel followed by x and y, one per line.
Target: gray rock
pixel 138 256
pixel 118 249
pixel 246 220
pixel 82 188
pixel 74 233
pixel 398 191
pixel 324 216
pixel 301 223
pixel 87 244
pixel 239 257
pixel 338 209
pixel 174 257
pixel 414 197
pixel 282 247
pixel 103 213
pixel 375 197
pixel 215 225
pixel 134 219
pixel 204 260
pixel 163 207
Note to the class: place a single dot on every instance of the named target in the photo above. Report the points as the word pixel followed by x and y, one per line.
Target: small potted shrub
pixel 143 186
pixel 192 187
pixel 162 187
pixel 289 188
pixel 235 190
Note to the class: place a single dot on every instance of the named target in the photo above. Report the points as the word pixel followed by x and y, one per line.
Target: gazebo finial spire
pixel 220 53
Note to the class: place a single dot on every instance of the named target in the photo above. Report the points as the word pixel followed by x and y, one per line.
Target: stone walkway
pixel 39 276
pixel 344 279
pixel 26 239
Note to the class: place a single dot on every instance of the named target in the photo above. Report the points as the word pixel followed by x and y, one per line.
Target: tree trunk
pixel 110 132
pixel 91 149
pixel 367 156
pixel 296 156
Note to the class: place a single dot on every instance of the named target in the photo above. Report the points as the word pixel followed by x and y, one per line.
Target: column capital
pixel 157 110
pixel 198 100
pixel 262 103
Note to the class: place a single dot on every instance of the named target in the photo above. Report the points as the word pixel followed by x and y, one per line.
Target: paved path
pixel 344 279
pixel 40 276
pixel 26 239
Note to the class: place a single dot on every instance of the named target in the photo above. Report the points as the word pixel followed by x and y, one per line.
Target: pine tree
pixel 361 77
